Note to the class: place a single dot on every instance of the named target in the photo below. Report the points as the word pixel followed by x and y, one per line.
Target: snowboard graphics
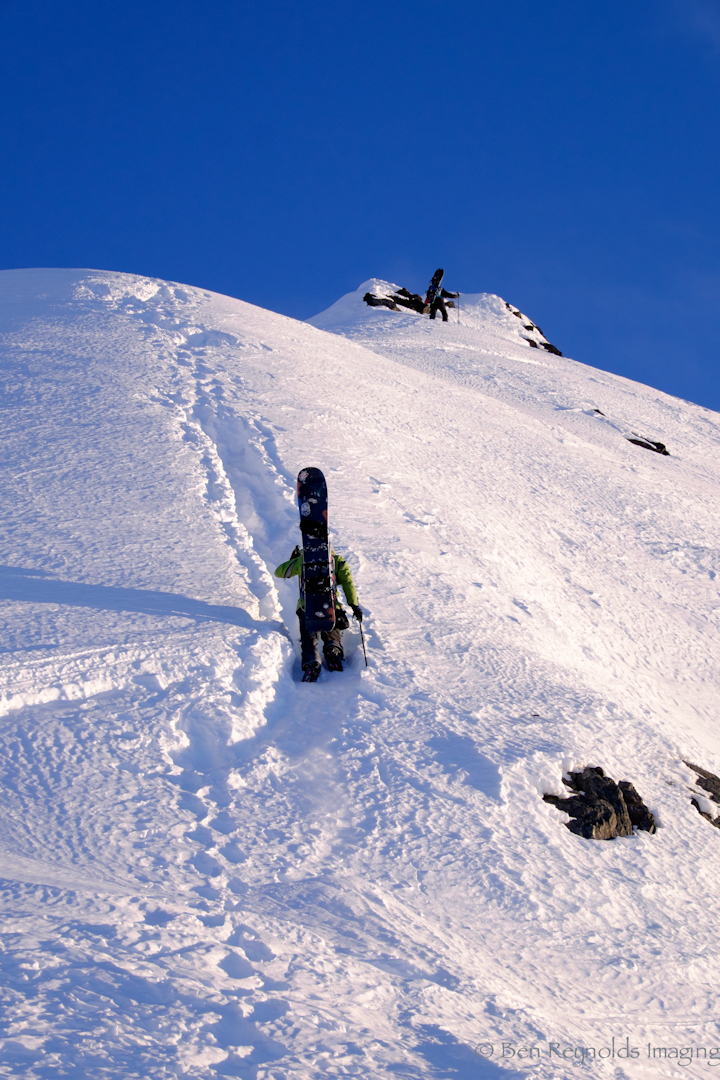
pixel 434 287
pixel 318 571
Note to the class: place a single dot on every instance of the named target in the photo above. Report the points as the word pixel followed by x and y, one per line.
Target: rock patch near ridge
pixel 649 444
pixel 600 808
pixel 711 783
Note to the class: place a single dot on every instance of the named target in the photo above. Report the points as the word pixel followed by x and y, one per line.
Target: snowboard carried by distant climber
pixel 436 296
pixel 319 612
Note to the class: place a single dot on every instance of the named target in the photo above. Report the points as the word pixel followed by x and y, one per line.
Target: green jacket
pixel 343 576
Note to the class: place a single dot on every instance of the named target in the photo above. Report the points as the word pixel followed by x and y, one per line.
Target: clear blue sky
pixel 562 154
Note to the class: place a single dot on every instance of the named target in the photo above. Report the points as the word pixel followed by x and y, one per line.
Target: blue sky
pixel 564 155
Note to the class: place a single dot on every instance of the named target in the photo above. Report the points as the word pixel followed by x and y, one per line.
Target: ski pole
pixel 362 638
pixel 458 309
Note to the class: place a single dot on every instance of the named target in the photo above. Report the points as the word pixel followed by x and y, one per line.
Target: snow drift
pixel 210 869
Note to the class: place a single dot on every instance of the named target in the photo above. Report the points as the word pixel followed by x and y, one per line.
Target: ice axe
pixel 362 637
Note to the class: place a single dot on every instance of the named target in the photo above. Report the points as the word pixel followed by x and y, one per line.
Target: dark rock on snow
pixel 649 444
pixel 640 816
pixel 711 783
pixel 533 326
pixel 380 301
pixel 602 809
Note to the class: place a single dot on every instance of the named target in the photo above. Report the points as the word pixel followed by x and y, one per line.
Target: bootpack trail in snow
pixel 211 870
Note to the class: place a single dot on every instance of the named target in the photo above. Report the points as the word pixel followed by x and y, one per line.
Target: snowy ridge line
pixel 414 340
pixel 485 311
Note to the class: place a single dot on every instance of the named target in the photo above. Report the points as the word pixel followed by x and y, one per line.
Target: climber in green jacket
pixel 332 647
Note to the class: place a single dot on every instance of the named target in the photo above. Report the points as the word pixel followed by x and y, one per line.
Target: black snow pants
pixel 308 642
pixel 438 304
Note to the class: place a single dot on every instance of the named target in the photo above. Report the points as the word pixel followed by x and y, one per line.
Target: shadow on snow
pixel 35 586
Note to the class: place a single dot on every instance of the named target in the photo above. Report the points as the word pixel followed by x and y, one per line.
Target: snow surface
pixel 210 869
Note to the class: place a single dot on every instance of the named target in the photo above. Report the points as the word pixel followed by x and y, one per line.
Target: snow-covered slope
pixel 210 869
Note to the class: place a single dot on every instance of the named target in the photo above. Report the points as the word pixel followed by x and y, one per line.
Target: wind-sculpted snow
pixel 210 869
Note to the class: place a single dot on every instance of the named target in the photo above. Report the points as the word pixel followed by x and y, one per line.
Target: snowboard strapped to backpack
pixel 318 570
pixel 434 287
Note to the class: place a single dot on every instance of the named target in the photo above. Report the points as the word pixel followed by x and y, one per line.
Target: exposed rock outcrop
pixel 529 325
pixel 711 783
pixel 649 444
pixel 602 809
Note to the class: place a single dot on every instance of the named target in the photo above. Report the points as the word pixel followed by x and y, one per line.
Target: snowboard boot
pixel 311 672
pixel 334 658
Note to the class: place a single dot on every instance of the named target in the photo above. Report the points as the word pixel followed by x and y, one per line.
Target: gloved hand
pixel 357 612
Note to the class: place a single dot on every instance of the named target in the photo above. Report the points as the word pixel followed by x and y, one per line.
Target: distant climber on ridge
pixel 403 298
pixel 332 639
pixel 436 296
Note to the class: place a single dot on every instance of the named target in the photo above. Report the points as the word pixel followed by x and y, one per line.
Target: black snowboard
pixel 318 573
pixel 434 287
